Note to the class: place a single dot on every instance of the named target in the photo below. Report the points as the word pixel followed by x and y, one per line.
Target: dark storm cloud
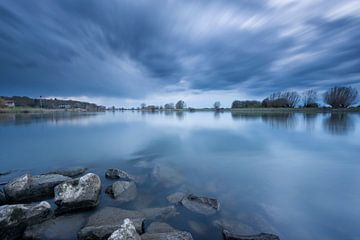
pixel 128 49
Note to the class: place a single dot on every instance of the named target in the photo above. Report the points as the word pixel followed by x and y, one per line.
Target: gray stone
pixel 175 235
pixel 60 228
pixel 159 227
pixel 197 227
pixel 126 231
pixel 201 205
pixel 123 191
pixel 262 236
pixel 27 187
pixel 176 197
pixel 160 212
pixel 81 193
pixel 234 227
pixel 69 172
pixel 115 173
pixel 15 218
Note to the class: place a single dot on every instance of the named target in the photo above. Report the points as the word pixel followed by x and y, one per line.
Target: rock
pixel 103 232
pixel 175 235
pixel 197 227
pixel 5 173
pixel 159 213
pixel 167 176
pixel 159 227
pixel 27 187
pixel 262 236
pixel 3 199
pixel 176 197
pixel 234 227
pixel 202 205
pixel 53 229
pixel 76 194
pixel 115 173
pixel 127 231
pixel 123 191
pixel 69 172
pixel 15 218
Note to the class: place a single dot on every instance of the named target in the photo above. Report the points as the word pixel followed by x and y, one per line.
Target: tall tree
pixel 340 97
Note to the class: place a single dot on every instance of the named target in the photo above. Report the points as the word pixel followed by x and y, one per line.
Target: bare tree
pixel 293 98
pixel 340 97
pixel 282 99
pixel 143 105
pixel 217 105
pixel 310 98
pixel 169 106
pixel 180 104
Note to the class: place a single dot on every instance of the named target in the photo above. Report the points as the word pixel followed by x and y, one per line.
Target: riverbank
pixel 37 110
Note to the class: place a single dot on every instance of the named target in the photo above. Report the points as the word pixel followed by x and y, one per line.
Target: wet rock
pixel 126 231
pixel 115 173
pixel 175 235
pixel 167 176
pixel 3 199
pixel 103 232
pixel 27 187
pixel 53 229
pixel 123 191
pixel 69 172
pixel 76 194
pixel 234 227
pixel 159 227
pixel 176 197
pixel 15 218
pixel 159 213
pixel 262 236
pixel 202 205
pixel 5 173
pixel 197 227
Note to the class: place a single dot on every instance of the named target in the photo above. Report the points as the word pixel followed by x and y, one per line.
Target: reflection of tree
pixel 180 115
pixel 217 115
pixel 339 124
pixel 274 119
pixel 309 119
pixel 280 120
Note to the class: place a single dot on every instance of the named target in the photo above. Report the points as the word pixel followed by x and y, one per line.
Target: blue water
pixel 295 175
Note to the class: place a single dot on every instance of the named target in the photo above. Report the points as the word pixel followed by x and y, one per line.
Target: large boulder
pixel 69 172
pixel 262 236
pixel 202 205
pixel 115 173
pixel 61 228
pixel 76 194
pixel 123 191
pixel 27 187
pixel 15 218
pixel 127 231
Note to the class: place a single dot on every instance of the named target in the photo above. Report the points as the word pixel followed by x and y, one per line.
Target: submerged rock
pixel 202 205
pixel 234 227
pixel 27 187
pixel 159 227
pixel 60 228
pixel 3 199
pixel 166 176
pixel 163 231
pixel 15 218
pixel 123 191
pixel 126 231
pixel 5 173
pixel 262 236
pixel 115 173
pixel 159 213
pixel 176 197
pixel 81 193
pixel 69 172
pixel 176 235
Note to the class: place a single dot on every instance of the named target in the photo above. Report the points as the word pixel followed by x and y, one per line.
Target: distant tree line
pixel 52 103
pixel 336 97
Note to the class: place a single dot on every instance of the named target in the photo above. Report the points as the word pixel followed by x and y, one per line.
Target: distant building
pixel 9 103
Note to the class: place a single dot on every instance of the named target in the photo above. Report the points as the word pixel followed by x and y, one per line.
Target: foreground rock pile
pixel 72 193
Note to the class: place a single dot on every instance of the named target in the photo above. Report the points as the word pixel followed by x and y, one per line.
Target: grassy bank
pixel 36 110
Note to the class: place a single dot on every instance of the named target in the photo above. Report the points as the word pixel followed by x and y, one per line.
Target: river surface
pixel 296 175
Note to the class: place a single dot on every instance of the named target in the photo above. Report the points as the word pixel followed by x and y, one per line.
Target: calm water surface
pixel 296 175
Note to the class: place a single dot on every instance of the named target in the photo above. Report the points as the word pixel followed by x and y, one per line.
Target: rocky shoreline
pixel 25 215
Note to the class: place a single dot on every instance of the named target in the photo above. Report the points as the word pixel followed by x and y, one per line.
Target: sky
pixel 125 52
